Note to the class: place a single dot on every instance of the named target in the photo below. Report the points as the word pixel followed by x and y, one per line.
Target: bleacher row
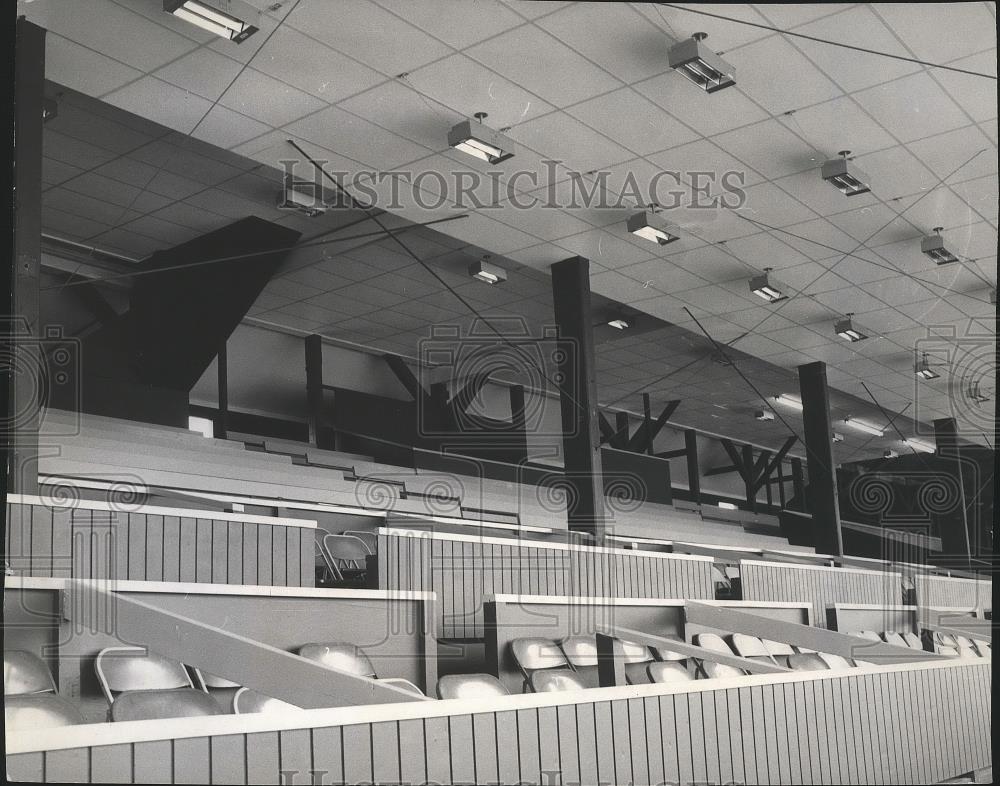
pixel 163 517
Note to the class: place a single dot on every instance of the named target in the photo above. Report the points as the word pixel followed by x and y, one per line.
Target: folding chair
pixel 470 686
pixel 912 640
pixel 121 669
pixel 891 637
pixel 581 652
pixel 555 681
pixel 534 656
pixel 136 705
pixel 346 557
pixel 834 662
pixel 750 647
pixel 25 673
pixel 663 671
pixel 352 659
pixel 710 669
pixel 804 661
pixel 30 700
pixel 781 652
pixel 637 659
pixel 370 539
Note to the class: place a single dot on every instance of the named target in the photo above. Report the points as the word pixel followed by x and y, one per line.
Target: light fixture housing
pixel 846 330
pixel 207 17
pixel 889 453
pixel 762 287
pixel 917 444
pixel 933 246
pixel 481 141
pixel 860 425
pixel 789 401
pixel 305 201
pixel 993 296
pixel 845 175
pixel 764 415
pixel 923 369
pixel 650 226
pixel 837 436
pixel 487 272
pixel 695 61
pixel 618 324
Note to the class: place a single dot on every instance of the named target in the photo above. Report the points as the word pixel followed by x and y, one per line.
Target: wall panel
pixel 953 592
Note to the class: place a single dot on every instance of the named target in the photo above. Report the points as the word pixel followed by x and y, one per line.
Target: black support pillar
pixel 26 367
pixel 953 527
pixel 823 501
pixel 694 472
pixel 578 396
pixel 222 367
pixel 314 386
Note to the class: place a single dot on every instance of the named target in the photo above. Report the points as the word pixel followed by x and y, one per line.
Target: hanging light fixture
pixel 845 175
pixel 762 287
pixel 860 425
pixel 923 369
pixel 487 272
pixel 650 226
pixel 209 18
pixel 933 246
pixel 920 445
pixel 481 141
pixel 696 62
pixel 846 330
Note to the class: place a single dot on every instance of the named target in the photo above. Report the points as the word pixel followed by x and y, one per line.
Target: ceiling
pixel 588 84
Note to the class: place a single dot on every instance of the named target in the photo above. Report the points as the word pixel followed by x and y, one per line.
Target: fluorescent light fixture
pixel 846 330
pixel 50 109
pixel 788 401
pixel 845 175
pixel 728 506
pixel 933 246
pixel 618 324
pixel 485 271
pixel 764 415
pixel 695 61
pixel 993 296
pixel 203 426
pixel 762 287
pixel 649 226
pixel 305 202
pixel 860 425
pixel 923 369
pixel 212 19
pixel 837 437
pixel 480 140
pixel 917 444
pixel 889 453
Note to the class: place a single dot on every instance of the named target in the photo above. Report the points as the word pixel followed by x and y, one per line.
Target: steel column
pixel 823 498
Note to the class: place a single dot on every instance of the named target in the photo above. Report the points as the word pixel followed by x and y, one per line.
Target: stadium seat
pixel 555 680
pixel 808 662
pixel 668 671
pixel 248 701
pixel 351 659
pixel 346 557
pixel 370 539
pixel 469 686
pixel 894 638
pixel 781 652
pixel 136 705
pixel 39 711
pixel 867 634
pixel 581 652
pixel 25 673
pixel 749 647
pixel 912 640
pixel 121 669
pixel 834 662
pixel 30 700
pixel 709 669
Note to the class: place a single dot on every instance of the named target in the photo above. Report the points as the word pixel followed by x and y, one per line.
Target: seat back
pixel 533 654
pixel 891 637
pixel 714 671
pixel 156 704
pixel 749 647
pixel 469 686
pixel 966 649
pixel 778 649
pixel 370 539
pixel 636 657
pixel 249 701
pixel 555 680
pixel 39 711
pixel 122 669
pixel 348 551
pixel 402 684
pixel 580 651
pixel 667 654
pixel 204 680
pixel 807 662
pixel 867 634
pixel 340 656
pixel 668 671
pixel 912 640
pixel 712 642
pixel 25 673
pixel 835 662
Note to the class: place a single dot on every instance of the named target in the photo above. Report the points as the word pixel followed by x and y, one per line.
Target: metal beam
pixel 406 377
pixel 669 454
pixel 647 421
pixel 735 457
pixel 22 328
pixel 953 528
pixel 222 369
pixel 578 396
pixel 258 666
pixel 798 485
pixel 776 461
pixel 749 476
pixel 644 436
pixel 723 470
pixel 823 500
pixel 620 439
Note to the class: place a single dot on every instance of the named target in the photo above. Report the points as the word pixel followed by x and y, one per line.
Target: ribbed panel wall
pixel 953 592
pixel 908 726
pixel 463 571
